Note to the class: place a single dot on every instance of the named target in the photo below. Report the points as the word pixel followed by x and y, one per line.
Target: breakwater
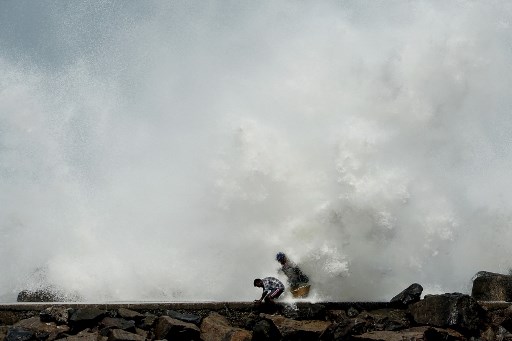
pixel 449 317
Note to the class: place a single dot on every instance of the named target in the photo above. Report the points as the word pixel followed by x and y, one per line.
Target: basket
pixel 301 292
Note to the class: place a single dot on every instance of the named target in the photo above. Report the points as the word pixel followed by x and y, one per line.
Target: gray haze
pixel 155 150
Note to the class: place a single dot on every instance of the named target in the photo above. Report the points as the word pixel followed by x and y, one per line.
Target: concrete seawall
pixel 243 306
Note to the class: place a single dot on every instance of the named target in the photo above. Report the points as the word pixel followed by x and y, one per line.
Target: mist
pixel 168 150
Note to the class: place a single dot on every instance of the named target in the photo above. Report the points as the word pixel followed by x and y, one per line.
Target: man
pixel 272 289
pixel 296 278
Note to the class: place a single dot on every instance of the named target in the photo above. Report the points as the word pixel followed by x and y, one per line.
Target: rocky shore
pixel 485 314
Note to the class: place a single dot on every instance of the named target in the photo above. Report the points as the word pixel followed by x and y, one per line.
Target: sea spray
pixel 167 151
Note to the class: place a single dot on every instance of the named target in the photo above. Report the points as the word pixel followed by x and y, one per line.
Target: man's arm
pixel 263 295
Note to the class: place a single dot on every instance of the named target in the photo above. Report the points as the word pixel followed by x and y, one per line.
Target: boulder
pixel 109 323
pixel 8 318
pixel 454 310
pixel 129 314
pixel 47 294
pixel 298 330
pixel 86 317
pixel 190 318
pixel 85 335
pixel 38 296
pixel 172 329
pixel 19 334
pixel 344 329
pixel 385 319
pixel 57 314
pixel 336 315
pixel 264 330
pixel 216 327
pixel 489 286
pixel 352 312
pixel 409 295
pixel 416 333
pixel 148 321
pixel 42 330
pixel 123 335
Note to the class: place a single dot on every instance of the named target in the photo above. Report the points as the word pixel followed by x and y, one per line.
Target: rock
pixel 488 286
pixel 86 317
pixel 3 332
pixel 416 333
pixel 336 315
pixel 37 296
pixel 130 314
pixel 216 327
pixel 116 323
pixel 48 294
pixel 48 331
pixel 85 335
pixel 148 321
pixel 8 318
pixel 19 334
pixel 190 318
pixel 386 319
pixel 343 329
pixel 298 330
pixel 352 312
pixel 168 328
pixel 455 310
pixel 122 335
pixel 409 295
pixel 57 314
pixel 265 330
pixel 141 332
pixel 87 314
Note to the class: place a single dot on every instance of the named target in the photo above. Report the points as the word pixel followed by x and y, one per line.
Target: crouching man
pixel 272 289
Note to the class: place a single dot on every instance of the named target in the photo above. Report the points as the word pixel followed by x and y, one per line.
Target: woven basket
pixel 301 292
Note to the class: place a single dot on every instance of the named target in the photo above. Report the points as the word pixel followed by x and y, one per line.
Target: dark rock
pixel 8 318
pixel 86 317
pixel 416 333
pixel 117 323
pixel 122 335
pixel 385 319
pixel 130 314
pixel 488 286
pixel 299 330
pixel 310 311
pixel 336 315
pixel 87 314
pixel 85 335
pixel 344 329
pixel 142 333
pixel 216 327
pixel 352 312
pixel 265 330
pixel 190 318
pixel 454 310
pixel 172 329
pixel 410 295
pixel 148 321
pixel 49 331
pixel 19 334
pixel 49 294
pixel 38 296
pixel 57 314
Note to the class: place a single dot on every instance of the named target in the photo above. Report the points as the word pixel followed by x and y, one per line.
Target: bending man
pixel 272 289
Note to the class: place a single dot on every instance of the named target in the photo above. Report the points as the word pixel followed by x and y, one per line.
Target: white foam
pixel 167 152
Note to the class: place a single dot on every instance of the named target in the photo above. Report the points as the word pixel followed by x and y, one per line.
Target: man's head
pixel 281 258
pixel 258 283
